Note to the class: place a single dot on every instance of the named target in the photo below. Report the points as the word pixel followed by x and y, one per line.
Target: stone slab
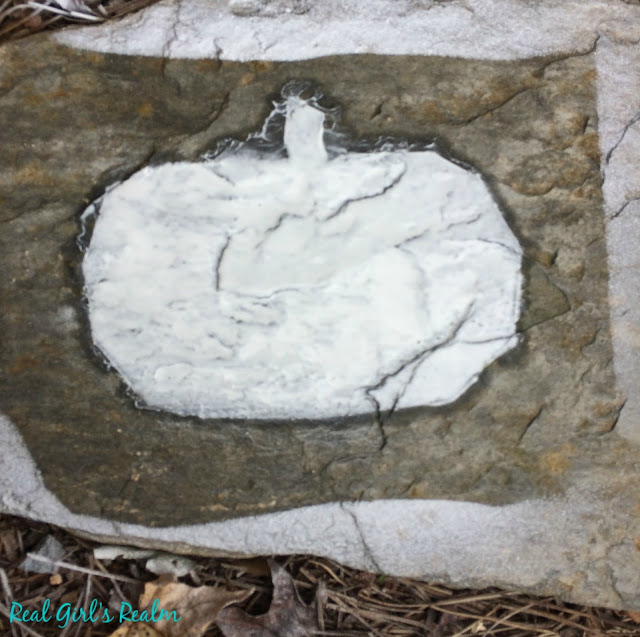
pixel 532 135
pixel 539 460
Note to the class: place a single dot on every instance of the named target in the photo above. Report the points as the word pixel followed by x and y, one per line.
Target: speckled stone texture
pixel 540 421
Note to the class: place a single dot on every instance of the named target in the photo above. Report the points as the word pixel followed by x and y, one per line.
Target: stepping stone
pixel 366 290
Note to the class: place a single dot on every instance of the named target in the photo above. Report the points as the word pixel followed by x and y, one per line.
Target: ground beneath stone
pixel 355 603
pixel 19 19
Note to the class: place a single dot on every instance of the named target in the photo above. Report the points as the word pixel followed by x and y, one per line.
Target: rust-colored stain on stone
pixel 97 59
pixel 557 462
pixel 206 66
pixel 145 109
pixel 539 173
pixel 589 144
pixel 60 93
pixel 246 79
pixel 213 508
pixel 433 111
pixel 23 363
pixel 261 66
pixel 60 429
pixel 416 492
pixel 33 173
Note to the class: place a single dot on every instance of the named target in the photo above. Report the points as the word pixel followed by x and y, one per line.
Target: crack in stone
pixel 625 130
pixel 621 545
pixel 525 317
pixel 280 221
pixel 215 114
pixel 591 342
pixel 380 422
pixel 376 404
pixel 545 320
pixel 166 48
pixel 618 212
pixel 415 237
pixel 486 340
pixel 346 202
pixel 499 243
pixel 127 482
pixel 276 226
pixel 377 111
pixel 219 261
pixel 495 108
pixel 416 358
pixel 368 553
pixel 466 222
pixel 614 424
pixel 112 177
pixel 576 54
pixel 528 425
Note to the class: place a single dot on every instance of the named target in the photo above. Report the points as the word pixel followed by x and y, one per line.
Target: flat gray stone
pixel 536 461
pixel 497 444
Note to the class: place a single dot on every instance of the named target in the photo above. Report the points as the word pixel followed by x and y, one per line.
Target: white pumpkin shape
pixel 301 286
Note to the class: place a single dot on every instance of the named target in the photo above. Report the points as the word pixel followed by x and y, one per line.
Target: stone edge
pixel 530 545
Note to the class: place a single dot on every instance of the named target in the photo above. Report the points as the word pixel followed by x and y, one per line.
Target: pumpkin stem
pixel 303 132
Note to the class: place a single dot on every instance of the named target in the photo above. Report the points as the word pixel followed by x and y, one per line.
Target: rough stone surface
pixel 246 30
pixel 539 426
pixel 87 120
pixel 618 99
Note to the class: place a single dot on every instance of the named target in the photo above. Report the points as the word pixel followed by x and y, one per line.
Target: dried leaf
pixel 634 615
pixel 135 630
pixel 253 566
pixel 196 608
pixel 287 615
pixel 55 579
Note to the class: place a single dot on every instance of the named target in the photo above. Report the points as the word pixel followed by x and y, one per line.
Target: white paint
pixel 304 286
pixel 276 30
